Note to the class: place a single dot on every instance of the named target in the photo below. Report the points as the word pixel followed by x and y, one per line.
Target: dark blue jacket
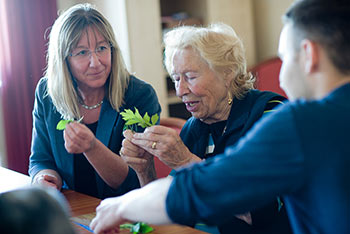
pixel 48 151
pixel 243 115
pixel 300 152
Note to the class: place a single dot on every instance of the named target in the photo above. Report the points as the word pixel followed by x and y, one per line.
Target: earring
pixel 229 100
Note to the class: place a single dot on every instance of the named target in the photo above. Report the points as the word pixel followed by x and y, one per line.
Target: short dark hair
pixel 327 23
pixel 34 211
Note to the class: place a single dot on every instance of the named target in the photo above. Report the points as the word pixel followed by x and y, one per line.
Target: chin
pixel 196 115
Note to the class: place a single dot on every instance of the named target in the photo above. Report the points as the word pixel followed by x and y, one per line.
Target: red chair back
pixel 267 74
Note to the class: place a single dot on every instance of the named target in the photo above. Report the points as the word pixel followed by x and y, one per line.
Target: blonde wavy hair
pixel 219 46
pixel 64 37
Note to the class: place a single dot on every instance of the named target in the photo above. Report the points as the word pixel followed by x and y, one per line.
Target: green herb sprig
pixel 63 123
pixel 136 228
pixel 135 119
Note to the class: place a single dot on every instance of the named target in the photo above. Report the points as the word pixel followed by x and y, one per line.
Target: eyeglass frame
pixel 89 52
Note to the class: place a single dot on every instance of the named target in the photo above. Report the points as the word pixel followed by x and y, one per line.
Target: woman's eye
pixel 190 75
pixel 82 53
pixel 175 77
pixel 101 48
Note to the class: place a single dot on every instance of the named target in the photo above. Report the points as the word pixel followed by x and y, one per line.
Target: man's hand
pixel 146 204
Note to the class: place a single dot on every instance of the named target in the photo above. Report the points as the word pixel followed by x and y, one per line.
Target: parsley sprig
pixel 63 123
pixel 136 228
pixel 132 120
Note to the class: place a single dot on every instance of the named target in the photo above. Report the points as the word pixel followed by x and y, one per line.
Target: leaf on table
pixel 135 228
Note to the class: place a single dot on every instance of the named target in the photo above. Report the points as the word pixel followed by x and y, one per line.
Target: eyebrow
pixel 186 71
pixel 98 43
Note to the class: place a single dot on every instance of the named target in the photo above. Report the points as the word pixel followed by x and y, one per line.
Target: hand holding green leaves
pixel 132 118
pixel 138 227
pixel 63 123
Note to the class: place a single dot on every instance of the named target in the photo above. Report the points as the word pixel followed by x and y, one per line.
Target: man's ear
pixel 310 56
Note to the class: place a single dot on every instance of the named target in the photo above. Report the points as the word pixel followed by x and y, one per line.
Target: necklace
pixel 91 107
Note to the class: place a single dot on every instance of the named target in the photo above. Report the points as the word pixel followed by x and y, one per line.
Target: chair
pixel 174 123
pixel 267 74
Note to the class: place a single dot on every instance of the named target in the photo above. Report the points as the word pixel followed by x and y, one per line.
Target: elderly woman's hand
pixel 138 159
pixel 166 144
pixel 78 138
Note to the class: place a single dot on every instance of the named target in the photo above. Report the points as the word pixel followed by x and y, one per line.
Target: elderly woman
pixel 86 80
pixel 208 67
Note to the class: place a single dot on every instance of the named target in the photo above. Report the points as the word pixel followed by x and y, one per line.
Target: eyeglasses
pixel 84 55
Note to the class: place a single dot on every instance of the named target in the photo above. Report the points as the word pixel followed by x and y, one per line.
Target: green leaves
pixel 63 123
pixel 136 228
pixel 132 118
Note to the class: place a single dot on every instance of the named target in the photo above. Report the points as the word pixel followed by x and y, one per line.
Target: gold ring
pixel 154 145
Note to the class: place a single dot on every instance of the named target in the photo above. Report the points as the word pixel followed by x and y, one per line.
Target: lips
pixel 96 73
pixel 191 106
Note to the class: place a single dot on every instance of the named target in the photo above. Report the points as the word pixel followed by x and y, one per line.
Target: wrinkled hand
pixel 137 158
pixel 168 146
pixel 78 138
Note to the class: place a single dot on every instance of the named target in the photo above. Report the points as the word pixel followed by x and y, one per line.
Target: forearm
pixel 150 198
pixel 112 169
pixel 148 175
pixel 48 177
pixel 146 204
pixel 46 172
pixel 190 158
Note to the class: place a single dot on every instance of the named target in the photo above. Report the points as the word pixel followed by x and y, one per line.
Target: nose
pixel 181 87
pixel 94 59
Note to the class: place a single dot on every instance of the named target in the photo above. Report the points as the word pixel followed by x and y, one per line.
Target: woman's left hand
pixel 138 159
pixel 165 144
pixel 78 138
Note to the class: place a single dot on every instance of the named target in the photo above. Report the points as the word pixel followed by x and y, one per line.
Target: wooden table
pixel 81 205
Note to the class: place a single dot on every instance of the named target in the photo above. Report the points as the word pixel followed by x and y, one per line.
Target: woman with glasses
pixel 86 80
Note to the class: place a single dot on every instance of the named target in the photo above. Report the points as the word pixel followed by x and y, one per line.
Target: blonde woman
pixel 85 80
pixel 208 67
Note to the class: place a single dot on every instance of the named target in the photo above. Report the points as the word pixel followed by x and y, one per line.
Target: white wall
pixel 268 25
pixel 238 14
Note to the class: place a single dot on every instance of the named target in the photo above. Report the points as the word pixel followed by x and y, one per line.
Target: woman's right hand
pixel 48 177
pixel 166 144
